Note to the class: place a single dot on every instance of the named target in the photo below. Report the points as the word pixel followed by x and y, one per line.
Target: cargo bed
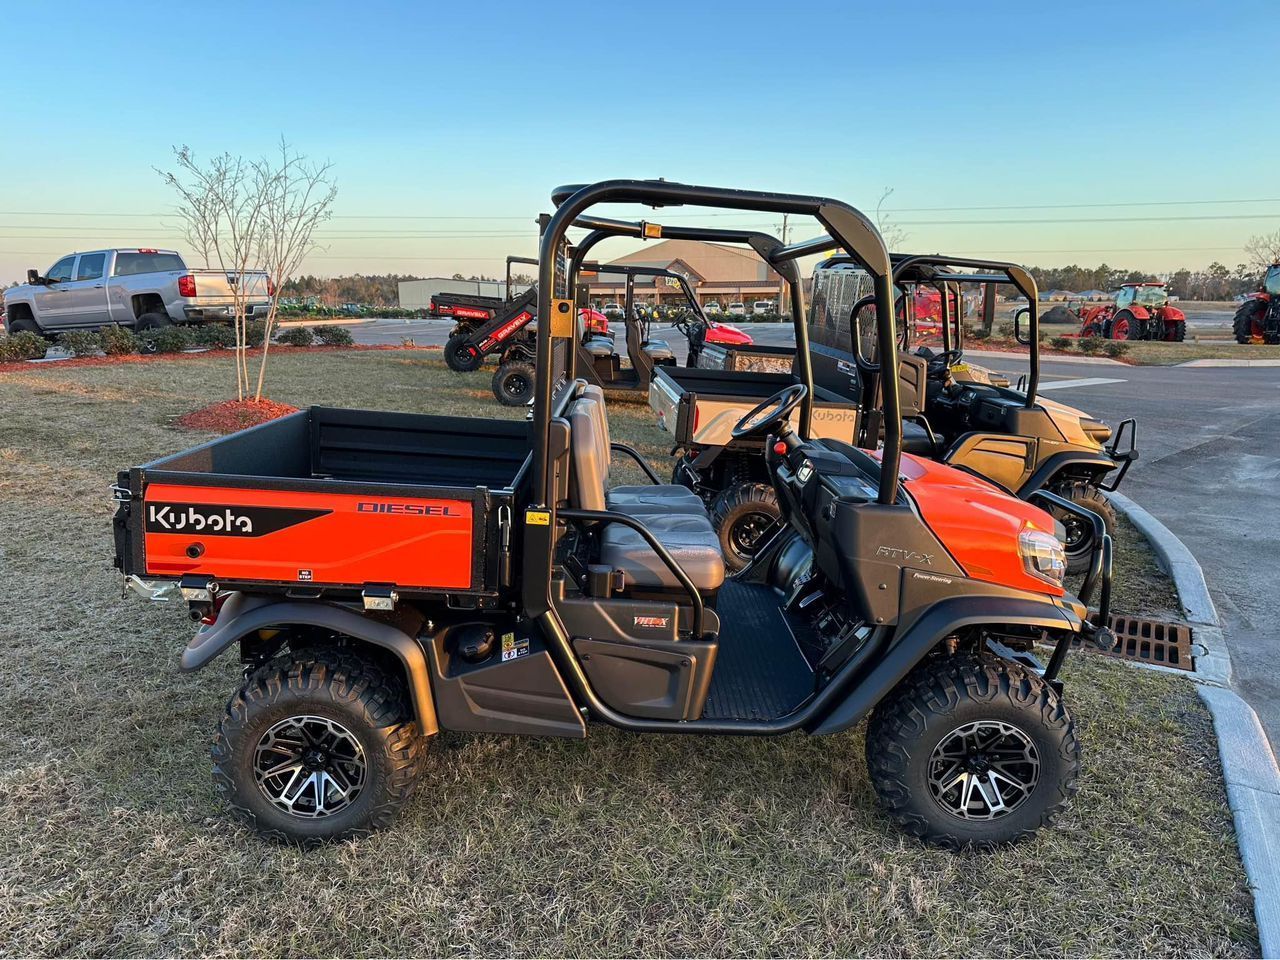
pixel 755 357
pixel 330 501
pixel 699 408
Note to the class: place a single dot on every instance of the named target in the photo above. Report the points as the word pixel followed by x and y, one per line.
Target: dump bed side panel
pixel 304 537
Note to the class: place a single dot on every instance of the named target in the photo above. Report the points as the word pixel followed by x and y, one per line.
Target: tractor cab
pixel 1142 294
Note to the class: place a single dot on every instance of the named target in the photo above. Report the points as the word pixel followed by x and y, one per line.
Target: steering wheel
pixel 940 363
pixel 769 414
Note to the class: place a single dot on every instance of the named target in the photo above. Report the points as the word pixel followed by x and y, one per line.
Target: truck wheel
pixel 460 357
pixel 742 515
pixel 1079 535
pixel 973 750
pixel 24 325
pixel 513 383
pixel 149 322
pixel 315 747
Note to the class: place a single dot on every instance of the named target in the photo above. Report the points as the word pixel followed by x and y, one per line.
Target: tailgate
pixel 255 536
pixel 216 286
pixel 664 400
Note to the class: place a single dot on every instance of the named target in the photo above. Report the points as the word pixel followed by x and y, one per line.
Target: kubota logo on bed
pixel 224 520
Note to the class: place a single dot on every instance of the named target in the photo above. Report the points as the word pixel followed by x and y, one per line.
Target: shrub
pixel 977 333
pixel 215 336
pixel 1060 343
pixel 119 341
pixel 170 339
pixel 296 337
pixel 22 346
pixel 255 331
pixel 1115 349
pixel 80 343
pixel 1090 345
pixel 334 336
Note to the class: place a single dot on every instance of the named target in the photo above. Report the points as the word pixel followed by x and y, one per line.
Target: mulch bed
pixel 254 352
pixel 232 415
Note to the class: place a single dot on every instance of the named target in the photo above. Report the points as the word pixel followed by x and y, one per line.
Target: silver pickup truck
pixel 134 287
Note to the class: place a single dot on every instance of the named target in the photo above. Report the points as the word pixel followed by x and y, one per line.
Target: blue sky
pixel 474 111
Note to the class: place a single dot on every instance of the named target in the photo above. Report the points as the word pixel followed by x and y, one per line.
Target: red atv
pixel 1258 319
pixel 1140 311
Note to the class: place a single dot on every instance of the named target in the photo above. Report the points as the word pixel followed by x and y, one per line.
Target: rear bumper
pixel 199 314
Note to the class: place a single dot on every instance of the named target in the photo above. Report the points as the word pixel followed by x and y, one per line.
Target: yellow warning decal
pixel 562 318
pixel 537 518
pixel 652 231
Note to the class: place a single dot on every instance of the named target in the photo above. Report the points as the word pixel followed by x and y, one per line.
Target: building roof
pixel 712 261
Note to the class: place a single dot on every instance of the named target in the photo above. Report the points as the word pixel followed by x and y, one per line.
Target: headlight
pixel 1043 555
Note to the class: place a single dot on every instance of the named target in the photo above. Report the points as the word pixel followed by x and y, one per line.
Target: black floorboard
pixel 760 672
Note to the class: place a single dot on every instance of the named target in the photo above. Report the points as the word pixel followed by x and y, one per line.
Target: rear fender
pixel 243 615
pixel 1139 312
pixel 911 646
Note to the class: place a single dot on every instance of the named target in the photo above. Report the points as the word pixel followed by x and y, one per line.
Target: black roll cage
pixel 528 261
pixel 846 228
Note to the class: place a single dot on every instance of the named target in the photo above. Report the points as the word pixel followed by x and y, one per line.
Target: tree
pixel 221 205
pixel 297 196
pixel 1263 250
pixel 894 236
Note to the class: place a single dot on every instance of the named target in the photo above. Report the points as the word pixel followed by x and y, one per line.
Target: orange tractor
pixel 1258 319
pixel 1140 311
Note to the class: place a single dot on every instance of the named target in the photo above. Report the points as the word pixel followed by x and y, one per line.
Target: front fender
pixel 1080 462
pixel 242 615
pixel 924 634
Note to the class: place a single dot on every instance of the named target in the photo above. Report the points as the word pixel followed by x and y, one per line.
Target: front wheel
pixel 1176 332
pixel 973 750
pixel 1247 325
pixel 317 748
pixel 460 356
pixel 743 515
pixel 1078 540
pixel 513 383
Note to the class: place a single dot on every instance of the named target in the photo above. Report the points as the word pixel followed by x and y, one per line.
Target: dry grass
pixel 112 842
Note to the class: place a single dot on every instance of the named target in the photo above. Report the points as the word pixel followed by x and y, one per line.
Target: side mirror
pixel 1022 333
pixel 34 278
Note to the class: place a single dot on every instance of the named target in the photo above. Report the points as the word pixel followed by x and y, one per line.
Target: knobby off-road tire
pixel 1176 332
pixel 459 357
pixel 358 710
pixel 931 730
pixel 513 383
pixel 742 515
pixel 1247 323
pixel 1079 539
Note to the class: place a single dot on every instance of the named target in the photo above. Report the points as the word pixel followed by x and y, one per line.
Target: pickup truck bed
pixel 755 357
pixel 330 502
pixel 699 408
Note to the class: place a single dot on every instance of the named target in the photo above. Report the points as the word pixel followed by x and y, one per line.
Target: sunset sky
pixel 1140 133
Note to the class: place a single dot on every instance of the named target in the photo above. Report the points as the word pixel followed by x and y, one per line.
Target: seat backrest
pixel 593 392
pixel 588 467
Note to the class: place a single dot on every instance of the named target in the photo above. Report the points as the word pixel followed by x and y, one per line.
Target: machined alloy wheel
pixel 310 766
pixel 983 770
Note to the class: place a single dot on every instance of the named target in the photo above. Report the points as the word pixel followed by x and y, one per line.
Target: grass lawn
pixel 112 842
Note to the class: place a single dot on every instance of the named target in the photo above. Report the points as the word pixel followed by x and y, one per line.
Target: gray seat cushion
pixel 599 347
pixel 690 540
pixel 655 500
pixel 658 349
pixel 916 440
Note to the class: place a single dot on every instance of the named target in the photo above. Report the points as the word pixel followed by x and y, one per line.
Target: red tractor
pixel 1258 319
pixel 1140 311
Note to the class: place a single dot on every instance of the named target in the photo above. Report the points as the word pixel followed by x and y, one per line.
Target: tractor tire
pixel 1079 539
pixel 1175 332
pixel 148 322
pixel 1123 326
pixel 459 357
pixel 513 383
pixel 334 721
pixel 742 514
pixel 973 751
pixel 1247 323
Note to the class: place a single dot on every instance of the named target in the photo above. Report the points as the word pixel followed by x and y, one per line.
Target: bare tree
pixel 222 204
pixel 895 237
pixel 297 196
pixel 1263 250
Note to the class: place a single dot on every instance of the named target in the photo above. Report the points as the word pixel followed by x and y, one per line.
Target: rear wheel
pixel 145 327
pixel 460 356
pixel 742 515
pixel 1079 534
pixel 317 747
pixel 1247 323
pixel 513 383
pixel 973 750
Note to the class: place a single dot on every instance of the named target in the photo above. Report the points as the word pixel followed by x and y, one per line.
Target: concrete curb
pixel 1229 363
pixel 1248 766
pixel 1044 357
pixel 335 322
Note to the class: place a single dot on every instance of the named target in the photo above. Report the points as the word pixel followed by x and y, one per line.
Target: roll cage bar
pixel 631 272
pixel 528 261
pixel 845 227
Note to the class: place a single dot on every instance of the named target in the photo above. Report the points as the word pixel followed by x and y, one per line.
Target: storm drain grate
pixel 1161 642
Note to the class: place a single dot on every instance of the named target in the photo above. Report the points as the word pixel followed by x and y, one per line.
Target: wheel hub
pixel 310 767
pixel 983 770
